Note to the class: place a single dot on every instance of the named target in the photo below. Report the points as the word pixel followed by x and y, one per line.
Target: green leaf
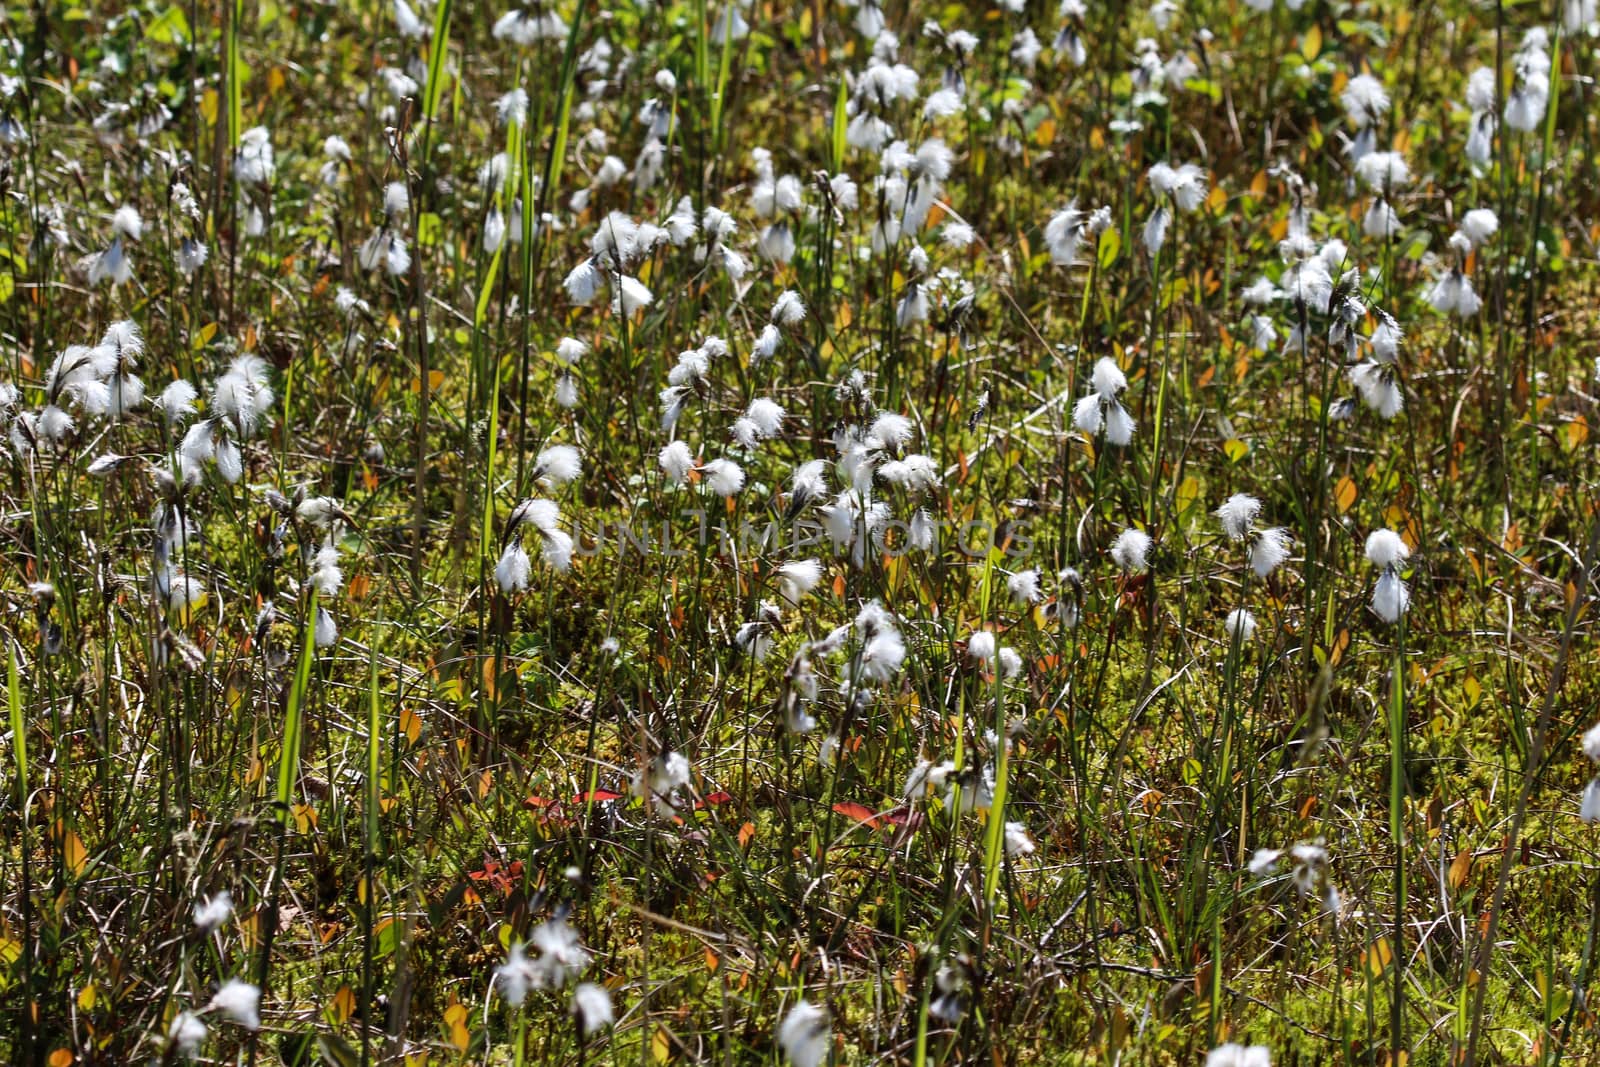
pixel 841 123
pixel 441 45
pixel 429 228
pixel 170 27
pixel 289 759
pixel 1110 246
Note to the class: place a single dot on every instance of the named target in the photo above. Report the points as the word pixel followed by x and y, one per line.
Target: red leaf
pixel 897 816
pixel 713 798
pixel 596 795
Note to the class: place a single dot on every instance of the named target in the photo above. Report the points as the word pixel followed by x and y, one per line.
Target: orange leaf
pixel 851 810
pixel 1344 494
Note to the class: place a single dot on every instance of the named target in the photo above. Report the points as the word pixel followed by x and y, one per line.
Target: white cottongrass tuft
pixel 591 1006
pixel 210 914
pixel 240 1002
pixel 1131 550
pixel 804 1035
pixel 1238 514
pixel 1232 1055
pixel 1240 624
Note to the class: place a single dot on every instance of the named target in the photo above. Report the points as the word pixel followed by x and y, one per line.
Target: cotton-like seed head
pixel 1240 624
pixel 767 415
pixel 558 465
pixel 1390 597
pixel 1131 550
pixel 1479 225
pixel 804 1035
pixel 1365 100
pixel 890 431
pixel 1120 425
pixel 1589 807
pixel 591 1005
pixel 127 222
pixel 1088 414
pixel 1107 378
pixel 788 309
pixel 1237 514
pixel 1386 549
pixel 396 200
pixel 797 578
pixel 676 461
pixel 570 350
pixel 541 514
pixel 723 476
pixel 240 1002
pixel 1591 744
pixel 556 550
pixel 1383 171
pixel 1269 550
pixel 1023 587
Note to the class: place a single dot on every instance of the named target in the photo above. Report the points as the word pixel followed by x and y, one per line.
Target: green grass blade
pixel 289 759
pixel 19 736
pixel 436 55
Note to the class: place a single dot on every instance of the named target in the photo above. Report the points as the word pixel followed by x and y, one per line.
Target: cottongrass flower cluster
pixel 1308 872
pixel 1267 548
pixel 1388 552
pixel 559 958
pixel 514 571
pixel 1100 410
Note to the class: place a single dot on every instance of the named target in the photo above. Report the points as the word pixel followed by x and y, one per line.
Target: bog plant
pixel 733 532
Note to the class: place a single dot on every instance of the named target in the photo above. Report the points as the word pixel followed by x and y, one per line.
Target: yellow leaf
pixel 208 106
pixel 1217 199
pixel 660 1045
pixel 74 852
pixel 86 998
pixel 1311 43
pixel 455 1018
pixel 1045 134
pixel 711 960
pixel 1460 868
pixel 1236 449
pixel 435 380
pixel 343 1004
pixel 275 80
pixel 410 725
pixel 1377 957
pixel 1344 494
pixel 1577 431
